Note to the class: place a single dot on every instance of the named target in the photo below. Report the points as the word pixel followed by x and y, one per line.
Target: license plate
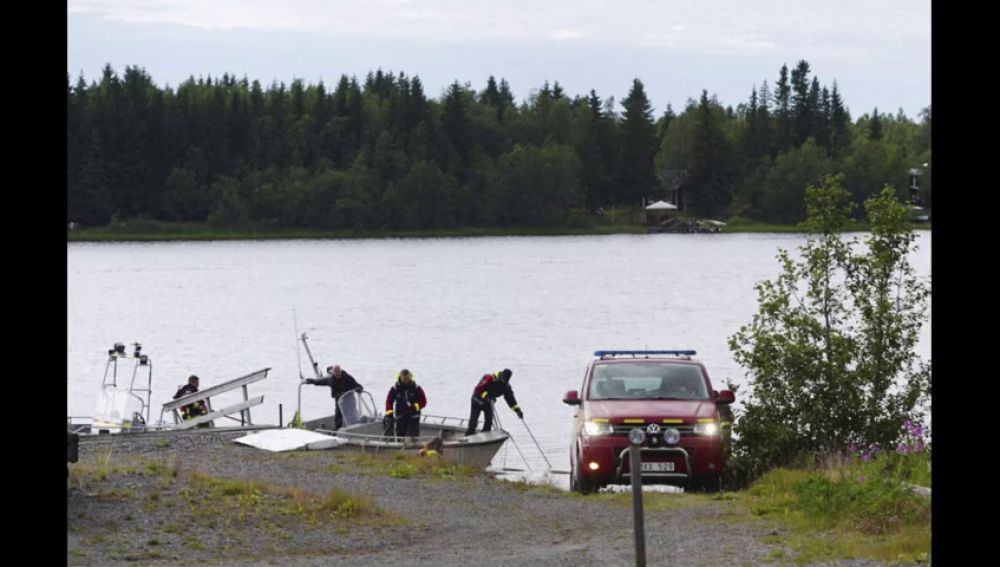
pixel 657 467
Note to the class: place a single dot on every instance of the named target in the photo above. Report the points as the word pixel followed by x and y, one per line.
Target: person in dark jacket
pixel 403 406
pixel 340 382
pixel 489 388
pixel 195 408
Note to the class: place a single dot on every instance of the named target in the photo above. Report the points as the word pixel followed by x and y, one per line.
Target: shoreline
pixel 200 234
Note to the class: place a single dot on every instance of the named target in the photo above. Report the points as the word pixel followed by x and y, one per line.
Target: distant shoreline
pixel 201 233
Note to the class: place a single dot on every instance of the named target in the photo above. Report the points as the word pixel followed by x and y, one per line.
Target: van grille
pixel 622 429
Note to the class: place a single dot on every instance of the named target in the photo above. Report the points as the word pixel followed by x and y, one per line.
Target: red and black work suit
pixel 489 388
pixel 402 407
pixel 194 409
pixel 338 387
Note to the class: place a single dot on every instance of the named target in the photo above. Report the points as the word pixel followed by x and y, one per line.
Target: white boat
pixel 125 408
pixel 120 408
pixel 363 429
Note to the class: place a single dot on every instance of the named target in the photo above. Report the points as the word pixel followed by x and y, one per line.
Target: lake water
pixel 450 310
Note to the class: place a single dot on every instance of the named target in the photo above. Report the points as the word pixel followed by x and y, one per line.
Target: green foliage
pixel 867 490
pixel 714 162
pixel 830 355
pixel 869 165
pixel 347 505
pixel 675 149
pixel 406 465
pixel 845 509
pixel 402 470
pixel 782 198
pixel 380 155
pixel 875 504
pixel 538 184
pixel 638 144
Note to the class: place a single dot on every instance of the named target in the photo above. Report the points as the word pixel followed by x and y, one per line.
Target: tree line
pixel 381 154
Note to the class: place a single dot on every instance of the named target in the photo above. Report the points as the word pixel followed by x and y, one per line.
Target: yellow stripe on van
pixel 673 420
pixel 705 420
pixel 600 420
pixel 633 421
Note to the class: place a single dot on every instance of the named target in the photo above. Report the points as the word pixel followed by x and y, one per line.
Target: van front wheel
pixel 577 483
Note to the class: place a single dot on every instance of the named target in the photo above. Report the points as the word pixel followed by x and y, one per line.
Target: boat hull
pixel 475 450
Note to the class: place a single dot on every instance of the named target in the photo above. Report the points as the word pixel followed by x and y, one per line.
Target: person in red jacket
pixel 489 388
pixel 403 406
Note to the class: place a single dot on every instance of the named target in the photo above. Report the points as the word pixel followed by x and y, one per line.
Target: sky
pixel 877 51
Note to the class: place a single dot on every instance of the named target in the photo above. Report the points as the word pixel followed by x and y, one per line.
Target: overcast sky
pixel 878 51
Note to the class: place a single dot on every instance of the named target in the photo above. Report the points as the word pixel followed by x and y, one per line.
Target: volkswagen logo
pixel 653 429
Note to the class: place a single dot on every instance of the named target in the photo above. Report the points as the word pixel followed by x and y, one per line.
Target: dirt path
pixel 173 501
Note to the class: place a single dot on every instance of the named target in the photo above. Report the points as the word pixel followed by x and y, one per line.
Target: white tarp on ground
pixel 289 440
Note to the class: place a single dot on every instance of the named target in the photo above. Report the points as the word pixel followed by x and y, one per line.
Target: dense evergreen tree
pixel 455 123
pixel 783 136
pixel 714 164
pixel 638 145
pixel 875 126
pixel 839 124
pixel 822 130
pixel 381 154
pixel 663 124
pixel 803 106
pixel 754 141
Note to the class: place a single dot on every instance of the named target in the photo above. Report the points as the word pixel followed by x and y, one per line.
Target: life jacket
pixel 195 408
pixel 492 386
pixel 405 397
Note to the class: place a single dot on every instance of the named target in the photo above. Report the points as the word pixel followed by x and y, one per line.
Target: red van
pixel 670 396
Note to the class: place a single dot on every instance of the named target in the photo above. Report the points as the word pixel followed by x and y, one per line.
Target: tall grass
pixel 863 499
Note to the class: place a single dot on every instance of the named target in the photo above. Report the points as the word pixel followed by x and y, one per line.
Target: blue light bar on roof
pixel 603 353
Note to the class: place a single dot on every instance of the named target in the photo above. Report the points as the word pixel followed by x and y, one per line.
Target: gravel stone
pixel 448 523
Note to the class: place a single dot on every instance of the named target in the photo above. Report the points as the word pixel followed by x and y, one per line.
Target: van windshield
pixel 648 381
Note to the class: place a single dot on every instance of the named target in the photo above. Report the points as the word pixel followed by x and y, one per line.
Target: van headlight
pixel 710 428
pixel 593 428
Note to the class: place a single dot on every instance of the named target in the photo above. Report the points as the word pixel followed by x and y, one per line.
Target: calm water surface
pixel 450 310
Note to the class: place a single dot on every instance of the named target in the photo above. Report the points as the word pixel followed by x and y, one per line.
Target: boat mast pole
pixel 297 422
pixel 315 364
pixel 298 349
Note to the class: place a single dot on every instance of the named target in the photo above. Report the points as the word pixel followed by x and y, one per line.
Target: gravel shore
pixel 143 501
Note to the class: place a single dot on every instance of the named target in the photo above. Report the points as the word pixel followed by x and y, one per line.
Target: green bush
pixel 831 355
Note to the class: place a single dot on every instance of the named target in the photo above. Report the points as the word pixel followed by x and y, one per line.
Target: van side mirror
pixel 725 397
pixel 572 398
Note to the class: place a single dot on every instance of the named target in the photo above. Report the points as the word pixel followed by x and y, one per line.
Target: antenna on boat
pixel 315 364
pixel 297 419
pixel 298 349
